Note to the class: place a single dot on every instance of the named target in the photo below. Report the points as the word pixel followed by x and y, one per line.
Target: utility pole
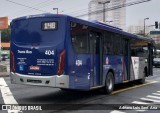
pixel 104 8
pixel 56 9
pixel 145 25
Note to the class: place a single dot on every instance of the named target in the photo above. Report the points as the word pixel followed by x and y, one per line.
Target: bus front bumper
pixel 61 81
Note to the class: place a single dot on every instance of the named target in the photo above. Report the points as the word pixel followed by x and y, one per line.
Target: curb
pixel 4 74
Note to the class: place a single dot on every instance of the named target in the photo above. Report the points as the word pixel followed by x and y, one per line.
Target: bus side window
pixel 108 43
pixel 139 51
pixel 79 38
pixel 117 44
pixel 139 48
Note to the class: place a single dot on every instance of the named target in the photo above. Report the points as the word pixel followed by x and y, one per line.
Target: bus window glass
pixel 139 48
pixel 108 43
pixel 94 38
pixel 117 44
pixel 124 46
pixel 79 38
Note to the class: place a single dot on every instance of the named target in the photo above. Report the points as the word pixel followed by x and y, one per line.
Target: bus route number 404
pixel 49 52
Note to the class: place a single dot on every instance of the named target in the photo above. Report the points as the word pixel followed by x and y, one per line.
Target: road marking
pixel 122 90
pixel 138 102
pixel 156 94
pixel 150 100
pixel 7 95
pixel 158 91
pixel 150 96
pixel 116 111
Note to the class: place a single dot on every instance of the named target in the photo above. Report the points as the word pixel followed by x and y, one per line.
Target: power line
pixel 36 6
pixel 26 10
pixel 91 13
pixel 114 7
pixel 26 6
pixel 82 10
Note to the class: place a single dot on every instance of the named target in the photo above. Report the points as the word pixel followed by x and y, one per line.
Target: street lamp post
pixel 56 9
pixel 145 25
pixel 104 3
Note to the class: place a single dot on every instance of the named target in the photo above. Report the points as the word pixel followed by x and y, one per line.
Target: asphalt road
pixel 88 102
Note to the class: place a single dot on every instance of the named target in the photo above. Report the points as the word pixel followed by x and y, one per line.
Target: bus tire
pixel 109 83
pixel 141 81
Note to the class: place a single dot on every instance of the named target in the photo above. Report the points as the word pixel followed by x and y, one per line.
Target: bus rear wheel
pixel 109 83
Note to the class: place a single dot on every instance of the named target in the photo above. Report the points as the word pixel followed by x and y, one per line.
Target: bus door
pixel 150 60
pixel 126 63
pixel 96 58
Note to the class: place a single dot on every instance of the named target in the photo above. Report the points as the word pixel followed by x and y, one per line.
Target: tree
pixel 5 36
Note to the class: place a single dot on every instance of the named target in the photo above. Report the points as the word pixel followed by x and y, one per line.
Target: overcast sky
pixel 134 14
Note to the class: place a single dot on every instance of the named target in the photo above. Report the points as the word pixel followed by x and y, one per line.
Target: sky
pixel 134 14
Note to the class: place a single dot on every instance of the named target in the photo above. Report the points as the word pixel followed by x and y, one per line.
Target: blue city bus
pixel 69 53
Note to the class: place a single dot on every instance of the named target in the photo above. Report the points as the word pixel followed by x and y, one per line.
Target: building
pixel 5 46
pixel 116 17
pixel 139 29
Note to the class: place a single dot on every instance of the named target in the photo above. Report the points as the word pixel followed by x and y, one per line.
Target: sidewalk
pixel 4 70
pixel 4 74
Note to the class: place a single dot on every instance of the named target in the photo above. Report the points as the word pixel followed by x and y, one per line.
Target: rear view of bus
pixel 38 51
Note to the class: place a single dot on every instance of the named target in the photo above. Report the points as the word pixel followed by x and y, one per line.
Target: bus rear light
pixel 12 63
pixel 61 64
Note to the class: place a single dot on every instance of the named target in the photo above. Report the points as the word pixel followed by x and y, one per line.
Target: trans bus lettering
pixel 68 53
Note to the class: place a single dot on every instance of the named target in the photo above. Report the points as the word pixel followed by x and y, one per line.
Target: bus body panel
pixel 82 71
pixel 138 65
pixel 113 63
pixel 36 52
pixel 49 81
pixel 37 57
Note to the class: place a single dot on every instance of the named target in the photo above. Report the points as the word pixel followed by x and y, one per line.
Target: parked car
pixel 156 62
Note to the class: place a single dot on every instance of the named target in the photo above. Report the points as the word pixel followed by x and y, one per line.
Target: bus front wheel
pixel 109 83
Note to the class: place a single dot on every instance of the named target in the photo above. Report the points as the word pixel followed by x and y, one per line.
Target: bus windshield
pixel 37 31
